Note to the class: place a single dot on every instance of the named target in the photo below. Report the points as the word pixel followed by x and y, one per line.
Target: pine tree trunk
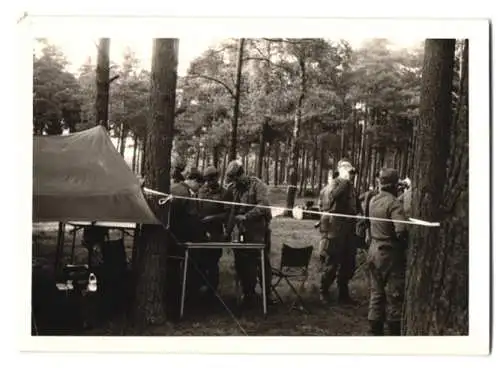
pixel 134 154
pixel 292 189
pixel 321 165
pixel 313 164
pixel 436 298
pixel 197 158
pixel 151 280
pixel 215 153
pixel 236 106
pixel 262 149
pixel 102 83
pixel 223 171
pixel 276 162
pixel 123 140
pixel 204 159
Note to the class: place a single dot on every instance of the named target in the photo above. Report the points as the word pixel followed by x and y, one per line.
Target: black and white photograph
pixel 230 185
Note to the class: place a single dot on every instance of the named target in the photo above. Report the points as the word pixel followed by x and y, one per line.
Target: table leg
pixel 184 279
pixel 73 243
pixel 264 289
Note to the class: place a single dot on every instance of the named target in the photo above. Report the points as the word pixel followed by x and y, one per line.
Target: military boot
pixel 376 328
pixel 324 297
pixel 394 328
pixel 344 296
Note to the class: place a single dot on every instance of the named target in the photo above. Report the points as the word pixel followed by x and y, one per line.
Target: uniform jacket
pixel 405 199
pixel 213 191
pixel 338 197
pixel 386 205
pixel 252 191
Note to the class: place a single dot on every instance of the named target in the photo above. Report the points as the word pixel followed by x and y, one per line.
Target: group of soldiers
pixel 386 241
pixel 203 210
pixel 197 214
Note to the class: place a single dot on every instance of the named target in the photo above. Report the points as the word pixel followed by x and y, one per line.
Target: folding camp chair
pixel 294 266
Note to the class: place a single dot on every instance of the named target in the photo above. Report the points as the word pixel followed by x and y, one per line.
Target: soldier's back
pixel 380 207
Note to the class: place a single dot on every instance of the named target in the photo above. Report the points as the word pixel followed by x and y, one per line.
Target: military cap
pixel 234 169
pixel 193 173
pixel 345 164
pixel 388 177
pixel 210 171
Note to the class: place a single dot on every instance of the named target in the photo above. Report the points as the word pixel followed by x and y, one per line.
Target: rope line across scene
pixel 297 212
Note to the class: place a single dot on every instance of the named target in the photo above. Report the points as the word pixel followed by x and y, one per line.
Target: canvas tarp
pixel 82 177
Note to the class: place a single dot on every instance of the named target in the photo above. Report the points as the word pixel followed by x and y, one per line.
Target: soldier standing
pixel 386 257
pixel 213 216
pixel 337 249
pixel 252 223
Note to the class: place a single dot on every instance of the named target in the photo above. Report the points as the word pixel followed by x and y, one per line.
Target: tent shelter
pixel 81 180
pixel 82 177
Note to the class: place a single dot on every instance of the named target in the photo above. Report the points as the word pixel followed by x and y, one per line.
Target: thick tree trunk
pixel 236 106
pixel 102 83
pixel 151 279
pixel 436 298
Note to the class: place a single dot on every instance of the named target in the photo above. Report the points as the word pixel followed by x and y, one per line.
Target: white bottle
pixel 92 286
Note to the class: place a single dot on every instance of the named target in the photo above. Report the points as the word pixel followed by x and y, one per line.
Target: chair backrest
pixel 292 257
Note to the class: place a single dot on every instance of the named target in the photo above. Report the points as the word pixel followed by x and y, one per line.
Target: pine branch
pixel 228 89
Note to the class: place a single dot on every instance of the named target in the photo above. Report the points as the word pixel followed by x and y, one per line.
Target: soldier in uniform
pixel 405 197
pixel 185 225
pixel 194 180
pixel 213 216
pixel 386 257
pixel 251 222
pixel 337 249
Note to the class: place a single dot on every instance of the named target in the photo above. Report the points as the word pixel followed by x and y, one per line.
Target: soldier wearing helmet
pixel 337 247
pixel 213 216
pixel 250 222
pixel 386 257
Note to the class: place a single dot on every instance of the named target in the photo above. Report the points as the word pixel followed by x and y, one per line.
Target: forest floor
pixel 331 320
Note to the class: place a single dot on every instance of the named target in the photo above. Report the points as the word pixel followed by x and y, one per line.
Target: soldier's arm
pixel 229 209
pixel 396 213
pixel 340 187
pixel 261 199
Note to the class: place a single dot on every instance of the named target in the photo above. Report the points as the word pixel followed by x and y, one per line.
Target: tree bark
pixel 292 189
pixel 276 162
pixel 102 83
pixel 262 148
pixel 134 154
pixel 321 164
pixel 223 171
pixel 123 140
pixel 150 306
pixel 313 164
pixel 436 298
pixel 215 153
pixel 236 106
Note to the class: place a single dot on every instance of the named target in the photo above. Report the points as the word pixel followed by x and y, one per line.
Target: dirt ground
pixel 332 320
